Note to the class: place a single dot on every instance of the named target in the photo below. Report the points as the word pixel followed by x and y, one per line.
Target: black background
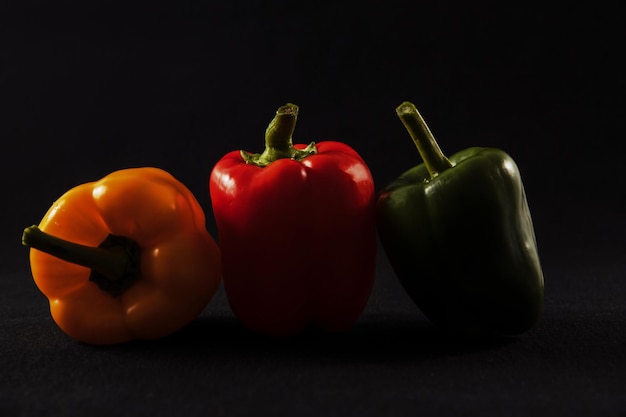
pixel 87 88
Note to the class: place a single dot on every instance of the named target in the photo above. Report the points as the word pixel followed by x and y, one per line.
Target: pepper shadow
pixel 380 338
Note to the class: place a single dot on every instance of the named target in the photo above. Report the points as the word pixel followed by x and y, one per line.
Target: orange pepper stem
pixel 114 263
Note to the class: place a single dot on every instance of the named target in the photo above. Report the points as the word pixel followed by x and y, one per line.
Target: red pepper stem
pixel 279 141
pixel 279 132
pixel 434 159
pixel 114 264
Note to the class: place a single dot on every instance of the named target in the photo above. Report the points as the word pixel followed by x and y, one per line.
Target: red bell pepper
pixel 297 231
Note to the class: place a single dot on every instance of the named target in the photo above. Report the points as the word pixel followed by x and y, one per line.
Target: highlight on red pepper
pixel 296 227
pixel 125 257
pixel 459 235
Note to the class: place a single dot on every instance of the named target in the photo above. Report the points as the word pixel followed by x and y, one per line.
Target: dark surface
pixel 86 89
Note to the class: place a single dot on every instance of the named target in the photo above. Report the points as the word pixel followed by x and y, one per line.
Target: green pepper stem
pixel 434 159
pixel 279 139
pixel 114 264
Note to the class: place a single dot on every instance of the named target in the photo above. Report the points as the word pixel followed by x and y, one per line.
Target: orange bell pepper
pixel 126 257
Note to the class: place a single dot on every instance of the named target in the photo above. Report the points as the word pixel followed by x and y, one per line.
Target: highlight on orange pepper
pixel 126 257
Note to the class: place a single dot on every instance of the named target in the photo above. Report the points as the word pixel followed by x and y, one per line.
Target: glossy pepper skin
pixel 126 257
pixel 459 235
pixel 297 231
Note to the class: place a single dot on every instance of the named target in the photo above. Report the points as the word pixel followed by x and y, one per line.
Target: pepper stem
pixel 279 141
pixel 114 264
pixel 434 159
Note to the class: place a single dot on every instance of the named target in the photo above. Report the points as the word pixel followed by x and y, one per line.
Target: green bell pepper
pixel 459 236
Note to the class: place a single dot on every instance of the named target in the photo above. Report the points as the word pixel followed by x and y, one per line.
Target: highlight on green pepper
pixel 459 235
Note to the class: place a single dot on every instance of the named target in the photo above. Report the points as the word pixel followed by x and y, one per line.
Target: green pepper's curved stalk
pixel 278 139
pixel 114 264
pixel 434 159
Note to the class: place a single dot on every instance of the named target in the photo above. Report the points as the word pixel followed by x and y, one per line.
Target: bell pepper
pixel 296 226
pixel 460 238
pixel 126 257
